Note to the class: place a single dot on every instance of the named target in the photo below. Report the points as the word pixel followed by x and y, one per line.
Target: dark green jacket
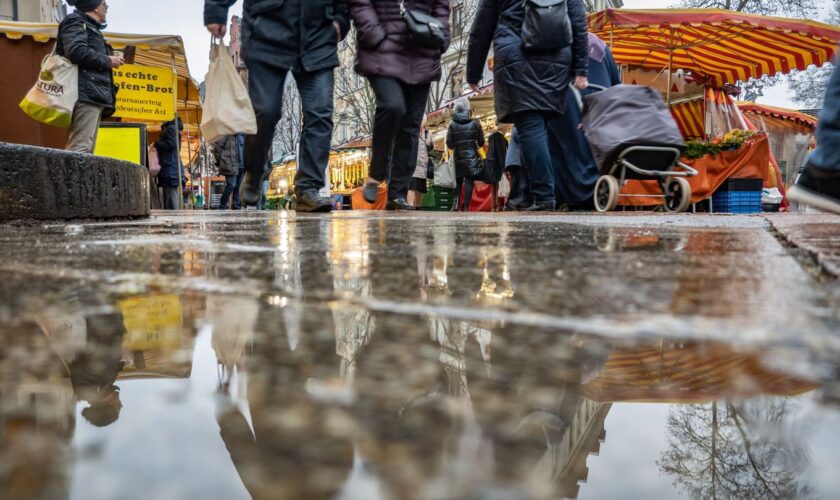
pixel 81 41
pixel 287 34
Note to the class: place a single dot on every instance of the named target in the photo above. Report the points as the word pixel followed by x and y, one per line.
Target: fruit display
pixel 732 140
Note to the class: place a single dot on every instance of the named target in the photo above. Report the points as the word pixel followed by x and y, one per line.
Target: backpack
pixel 546 25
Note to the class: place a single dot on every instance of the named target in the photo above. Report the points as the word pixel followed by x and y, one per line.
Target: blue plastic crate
pixel 738 202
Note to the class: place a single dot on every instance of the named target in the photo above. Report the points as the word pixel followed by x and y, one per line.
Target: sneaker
pixel 371 192
pixel 311 201
pixel 399 204
pixel 541 206
pixel 817 189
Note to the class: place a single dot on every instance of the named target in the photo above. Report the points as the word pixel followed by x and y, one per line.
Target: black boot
pixel 311 201
pixel 399 204
pixel 251 189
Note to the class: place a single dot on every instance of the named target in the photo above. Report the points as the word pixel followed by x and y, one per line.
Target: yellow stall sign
pixel 145 93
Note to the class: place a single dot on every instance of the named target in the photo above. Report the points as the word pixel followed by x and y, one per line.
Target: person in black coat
pixel 279 37
pixel 464 137
pixel 167 148
pixel 81 41
pixel 575 172
pixel 228 154
pixel 530 86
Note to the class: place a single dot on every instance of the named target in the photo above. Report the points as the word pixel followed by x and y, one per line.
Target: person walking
pixel 400 71
pixel 530 83
pixel 464 137
pixel 228 152
pixel 575 172
pixel 419 181
pixel 819 184
pixel 279 37
pixel 520 197
pixel 80 40
pixel 168 178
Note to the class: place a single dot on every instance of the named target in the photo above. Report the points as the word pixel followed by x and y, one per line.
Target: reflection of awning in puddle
pixel 692 373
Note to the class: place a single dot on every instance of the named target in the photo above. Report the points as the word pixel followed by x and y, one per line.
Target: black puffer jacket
pixel 167 148
pixel 287 33
pixel 226 153
pixel 464 137
pixel 524 80
pixel 81 41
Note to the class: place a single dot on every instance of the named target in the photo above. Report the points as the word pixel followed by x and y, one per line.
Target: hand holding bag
pixel 53 97
pixel 227 107
pixel 424 30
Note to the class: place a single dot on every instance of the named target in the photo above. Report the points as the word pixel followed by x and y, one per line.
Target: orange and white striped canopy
pixel 721 45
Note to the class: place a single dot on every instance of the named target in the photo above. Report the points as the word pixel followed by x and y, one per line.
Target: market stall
pixel 714 49
pixel 348 169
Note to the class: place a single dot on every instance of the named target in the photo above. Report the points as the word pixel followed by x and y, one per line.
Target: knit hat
pixel 85 5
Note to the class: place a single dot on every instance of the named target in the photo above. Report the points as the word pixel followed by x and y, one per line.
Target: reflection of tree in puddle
pixel 736 450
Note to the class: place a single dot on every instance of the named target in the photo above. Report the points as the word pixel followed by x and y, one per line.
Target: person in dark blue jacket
pixel 167 148
pixel 530 86
pixel 575 172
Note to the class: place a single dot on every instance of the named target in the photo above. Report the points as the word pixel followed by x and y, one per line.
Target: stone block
pixel 41 183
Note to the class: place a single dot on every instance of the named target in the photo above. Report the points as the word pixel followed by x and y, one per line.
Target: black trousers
pixel 265 86
pixel 396 129
pixel 468 183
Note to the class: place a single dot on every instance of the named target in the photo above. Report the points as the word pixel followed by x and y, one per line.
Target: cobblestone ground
pixel 373 355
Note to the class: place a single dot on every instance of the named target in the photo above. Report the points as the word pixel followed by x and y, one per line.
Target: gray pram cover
pixel 629 115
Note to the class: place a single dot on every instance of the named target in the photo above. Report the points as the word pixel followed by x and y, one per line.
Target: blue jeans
pixel 232 183
pixel 532 127
pixel 827 154
pixel 265 87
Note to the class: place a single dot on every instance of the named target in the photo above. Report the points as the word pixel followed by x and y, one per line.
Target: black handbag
pixel 424 30
pixel 546 25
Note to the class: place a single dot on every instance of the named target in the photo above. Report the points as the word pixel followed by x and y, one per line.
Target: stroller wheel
pixel 677 195
pixel 606 193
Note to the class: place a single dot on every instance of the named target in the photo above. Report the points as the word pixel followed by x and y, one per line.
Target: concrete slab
pixel 41 183
pixel 817 234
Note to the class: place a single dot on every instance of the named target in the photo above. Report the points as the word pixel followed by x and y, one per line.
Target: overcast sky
pixel 185 18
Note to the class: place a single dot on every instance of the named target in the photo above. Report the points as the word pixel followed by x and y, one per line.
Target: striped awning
pixel 690 117
pixel 789 115
pixel 721 45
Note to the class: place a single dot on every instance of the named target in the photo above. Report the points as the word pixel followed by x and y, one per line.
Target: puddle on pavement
pixel 356 362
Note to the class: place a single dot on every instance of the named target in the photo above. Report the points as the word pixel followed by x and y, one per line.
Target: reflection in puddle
pixel 298 389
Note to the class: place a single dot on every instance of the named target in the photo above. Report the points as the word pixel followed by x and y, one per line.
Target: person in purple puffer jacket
pixel 400 73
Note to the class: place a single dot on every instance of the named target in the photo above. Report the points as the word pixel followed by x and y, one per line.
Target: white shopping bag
pixel 53 97
pixel 227 107
pixel 445 173
pixel 504 187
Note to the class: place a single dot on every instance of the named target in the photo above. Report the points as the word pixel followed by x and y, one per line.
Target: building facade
pixel 33 11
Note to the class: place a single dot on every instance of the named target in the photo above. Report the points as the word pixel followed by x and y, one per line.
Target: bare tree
pixel 453 71
pixel 287 132
pixel 808 87
pixel 728 450
pixel 355 102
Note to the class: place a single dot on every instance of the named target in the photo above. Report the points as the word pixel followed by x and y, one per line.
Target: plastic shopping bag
pixel 445 174
pixel 227 107
pixel 53 97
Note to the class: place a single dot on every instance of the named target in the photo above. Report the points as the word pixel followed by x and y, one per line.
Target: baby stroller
pixel 632 135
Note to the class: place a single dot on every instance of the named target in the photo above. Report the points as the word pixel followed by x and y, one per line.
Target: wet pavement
pixel 365 356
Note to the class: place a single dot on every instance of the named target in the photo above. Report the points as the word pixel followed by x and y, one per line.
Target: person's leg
pixel 230 185
pixel 83 132
pixel 407 141
pixel 265 87
pixel 170 198
pixel 459 183
pixel 534 140
pixel 390 111
pixel 237 184
pixel 316 96
pixel 469 185
pixel 819 184
pixel 827 155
